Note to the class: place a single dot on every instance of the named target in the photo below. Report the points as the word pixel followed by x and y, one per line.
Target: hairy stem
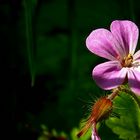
pixel 114 93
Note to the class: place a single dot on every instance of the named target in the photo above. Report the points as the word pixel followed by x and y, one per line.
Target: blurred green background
pixel 49 64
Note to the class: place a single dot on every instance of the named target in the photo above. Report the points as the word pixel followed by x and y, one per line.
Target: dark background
pixel 48 67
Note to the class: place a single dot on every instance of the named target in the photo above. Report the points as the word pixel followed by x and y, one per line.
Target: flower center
pixel 127 61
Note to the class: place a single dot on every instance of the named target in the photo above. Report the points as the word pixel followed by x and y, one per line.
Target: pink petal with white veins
pixel 136 61
pixel 126 32
pixel 109 75
pixel 102 43
pixel 136 56
pixel 134 81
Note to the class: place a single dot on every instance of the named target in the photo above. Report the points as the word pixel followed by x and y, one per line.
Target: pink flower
pixel 95 135
pixel 118 46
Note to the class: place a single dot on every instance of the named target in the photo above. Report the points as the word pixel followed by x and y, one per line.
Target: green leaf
pixel 127 126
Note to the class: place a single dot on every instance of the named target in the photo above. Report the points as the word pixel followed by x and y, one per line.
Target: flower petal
pixel 136 56
pixel 134 80
pixel 136 61
pixel 95 135
pixel 109 75
pixel 136 65
pixel 126 32
pixel 101 42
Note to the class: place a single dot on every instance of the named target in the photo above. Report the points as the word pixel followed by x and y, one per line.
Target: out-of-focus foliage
pixel 46 135
pixel 127 126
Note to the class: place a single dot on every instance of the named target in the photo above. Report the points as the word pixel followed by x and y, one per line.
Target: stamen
pixel 127 61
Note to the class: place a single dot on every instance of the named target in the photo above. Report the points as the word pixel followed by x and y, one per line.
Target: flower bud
pixel 100 110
